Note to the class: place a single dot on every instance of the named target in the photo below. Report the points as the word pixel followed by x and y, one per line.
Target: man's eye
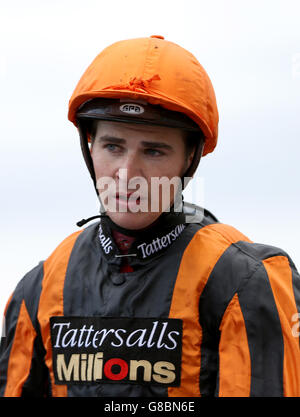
pixel 112 147
pixel 153 152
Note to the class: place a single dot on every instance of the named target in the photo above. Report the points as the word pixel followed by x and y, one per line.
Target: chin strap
pixel 84 221
pixel 102 214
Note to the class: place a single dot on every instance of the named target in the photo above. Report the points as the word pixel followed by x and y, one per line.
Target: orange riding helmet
pixel 164 76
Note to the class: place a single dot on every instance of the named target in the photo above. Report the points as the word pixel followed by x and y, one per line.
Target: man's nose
pixel 130 167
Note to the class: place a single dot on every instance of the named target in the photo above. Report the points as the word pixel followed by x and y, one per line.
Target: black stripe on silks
pixel 264 334
pixel 28 289
pixel 95 287
pixel 259 251
pixel 230 272
pixel 36 383
pixel 11 320
pixel 32 291
pixel 209 364
pixel 262 252
pixel 296 289
pixel 91 286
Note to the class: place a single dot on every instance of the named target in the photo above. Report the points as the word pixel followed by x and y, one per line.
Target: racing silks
pixel 205 312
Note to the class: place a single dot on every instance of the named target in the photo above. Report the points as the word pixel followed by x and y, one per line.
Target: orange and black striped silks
pixel 239 302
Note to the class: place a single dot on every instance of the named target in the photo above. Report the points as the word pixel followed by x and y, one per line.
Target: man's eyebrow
pixel 157 145
pixel 114 139
pixel 146 144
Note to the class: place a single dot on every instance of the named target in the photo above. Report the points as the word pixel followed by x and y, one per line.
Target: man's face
pixel 134 157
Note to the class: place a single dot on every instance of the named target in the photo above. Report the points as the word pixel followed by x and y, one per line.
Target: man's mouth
pixel 125 199
pixel 123 202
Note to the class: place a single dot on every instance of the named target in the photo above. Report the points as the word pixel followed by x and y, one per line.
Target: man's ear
pixel 191 156
pixel 189 159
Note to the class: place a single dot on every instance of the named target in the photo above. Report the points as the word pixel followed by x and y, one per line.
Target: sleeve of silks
pixel 22 370
pixel 259 333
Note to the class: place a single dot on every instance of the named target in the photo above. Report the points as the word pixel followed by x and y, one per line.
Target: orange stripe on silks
pixel 234 354
pixel 198 261
pixel 20 357
pixel 280 277
pixel 51 300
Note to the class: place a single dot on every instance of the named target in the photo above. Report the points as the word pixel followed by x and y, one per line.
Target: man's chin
pixel 133 221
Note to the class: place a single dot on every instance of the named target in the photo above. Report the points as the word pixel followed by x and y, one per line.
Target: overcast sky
pixel 251 51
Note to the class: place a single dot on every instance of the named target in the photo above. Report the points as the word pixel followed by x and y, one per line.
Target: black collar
pixel 149 243
pixel 152 241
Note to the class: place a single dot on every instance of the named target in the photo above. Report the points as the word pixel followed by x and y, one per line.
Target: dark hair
pixel 92 129
pixel 191 142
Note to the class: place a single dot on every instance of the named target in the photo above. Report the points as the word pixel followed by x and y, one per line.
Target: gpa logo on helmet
pixel 131 108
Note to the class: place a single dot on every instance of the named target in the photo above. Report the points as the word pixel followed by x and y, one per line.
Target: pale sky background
pixel 251 51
